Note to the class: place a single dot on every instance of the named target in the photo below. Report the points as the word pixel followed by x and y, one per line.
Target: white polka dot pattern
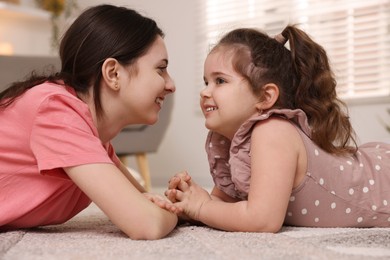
pixel 352 185
pixel 343 192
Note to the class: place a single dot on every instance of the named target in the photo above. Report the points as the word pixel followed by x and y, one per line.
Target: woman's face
pixel 147 83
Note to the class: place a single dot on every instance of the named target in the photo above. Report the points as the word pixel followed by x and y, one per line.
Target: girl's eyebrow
pixel 218 73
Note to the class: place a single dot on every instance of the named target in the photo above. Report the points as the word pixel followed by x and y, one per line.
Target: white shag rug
pixel 90 235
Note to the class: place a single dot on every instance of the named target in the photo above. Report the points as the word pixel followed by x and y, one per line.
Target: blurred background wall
pixel 27 31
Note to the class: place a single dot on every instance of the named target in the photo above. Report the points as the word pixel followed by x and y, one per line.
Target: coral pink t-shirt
pixel 44 130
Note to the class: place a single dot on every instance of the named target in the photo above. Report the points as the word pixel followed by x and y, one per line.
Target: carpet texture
pixel 90 235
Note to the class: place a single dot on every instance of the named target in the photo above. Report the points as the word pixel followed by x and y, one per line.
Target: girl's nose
pixel 205 92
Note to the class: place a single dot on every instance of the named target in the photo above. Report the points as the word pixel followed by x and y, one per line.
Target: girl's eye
pixel 219 81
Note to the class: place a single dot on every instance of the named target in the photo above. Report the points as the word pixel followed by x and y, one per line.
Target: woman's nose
pixel 170 85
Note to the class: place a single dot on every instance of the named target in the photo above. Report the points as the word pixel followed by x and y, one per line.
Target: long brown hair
pixel 99 33
pixel 304 78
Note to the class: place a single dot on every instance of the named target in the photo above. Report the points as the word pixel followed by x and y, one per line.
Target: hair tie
pixel 280 38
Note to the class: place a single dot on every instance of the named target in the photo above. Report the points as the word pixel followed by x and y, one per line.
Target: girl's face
pixel 146 85
pixel 227 100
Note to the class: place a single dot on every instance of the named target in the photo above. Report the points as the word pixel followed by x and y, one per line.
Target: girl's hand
pixel 178 182
pixel 189 200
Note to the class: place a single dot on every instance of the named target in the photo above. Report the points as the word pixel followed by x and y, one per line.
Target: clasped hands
pixel 185 197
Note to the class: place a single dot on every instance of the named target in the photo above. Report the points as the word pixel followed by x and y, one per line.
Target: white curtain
pixel 355 34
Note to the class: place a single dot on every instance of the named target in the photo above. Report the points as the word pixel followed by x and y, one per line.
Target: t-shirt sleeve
pixel 111 152
pixel 64 135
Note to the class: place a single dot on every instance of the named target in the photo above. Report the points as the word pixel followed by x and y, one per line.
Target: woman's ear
pixel 270 96
pixel 110 75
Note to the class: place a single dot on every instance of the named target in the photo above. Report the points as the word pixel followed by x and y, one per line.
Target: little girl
pixel 281 148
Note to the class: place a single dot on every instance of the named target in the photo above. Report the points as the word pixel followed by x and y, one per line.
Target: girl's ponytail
pixel 316 94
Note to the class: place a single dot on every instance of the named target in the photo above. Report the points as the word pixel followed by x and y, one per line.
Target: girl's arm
pixel 122 202
pixel 217 194
pixel 277 153
pixel 181 181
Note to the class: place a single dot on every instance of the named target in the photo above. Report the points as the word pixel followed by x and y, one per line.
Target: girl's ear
pixel 110 73
pixel 270 96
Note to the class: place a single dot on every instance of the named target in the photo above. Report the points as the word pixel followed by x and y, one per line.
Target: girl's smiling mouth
pixel 208 109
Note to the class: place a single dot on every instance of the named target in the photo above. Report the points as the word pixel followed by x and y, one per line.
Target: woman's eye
pixel 162 69
pixel 220 81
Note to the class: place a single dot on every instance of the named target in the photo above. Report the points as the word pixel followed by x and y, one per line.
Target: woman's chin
pixel 152 121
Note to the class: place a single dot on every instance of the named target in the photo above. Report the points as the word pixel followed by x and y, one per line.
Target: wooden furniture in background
pixel 143 168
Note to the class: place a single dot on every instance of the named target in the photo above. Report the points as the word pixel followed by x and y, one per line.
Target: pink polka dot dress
pixel 336 191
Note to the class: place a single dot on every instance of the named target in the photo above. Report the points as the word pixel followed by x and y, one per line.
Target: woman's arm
pixel 120 200
pixel 276 151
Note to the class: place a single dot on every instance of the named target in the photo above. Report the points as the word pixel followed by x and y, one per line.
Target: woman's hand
pixel 161 201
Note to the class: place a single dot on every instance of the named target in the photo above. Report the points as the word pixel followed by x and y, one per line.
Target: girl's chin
pixel 209 126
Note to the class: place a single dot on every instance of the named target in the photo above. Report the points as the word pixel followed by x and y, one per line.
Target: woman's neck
pixel 107 129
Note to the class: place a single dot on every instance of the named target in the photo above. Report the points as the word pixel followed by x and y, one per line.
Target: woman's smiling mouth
pixel 159 101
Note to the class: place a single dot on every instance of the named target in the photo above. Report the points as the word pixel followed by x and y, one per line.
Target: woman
pixel 56 155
